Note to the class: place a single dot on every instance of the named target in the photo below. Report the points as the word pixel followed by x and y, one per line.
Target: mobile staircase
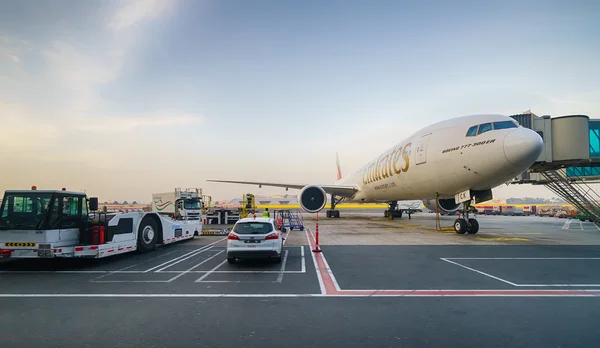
pixel 289 219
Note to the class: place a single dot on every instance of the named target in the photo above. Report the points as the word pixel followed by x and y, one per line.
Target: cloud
pixel 14 58
pixel 128 123
pixel 76 111
pixel 138 11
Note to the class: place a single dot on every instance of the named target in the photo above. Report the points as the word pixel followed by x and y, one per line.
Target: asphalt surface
pixel 464 267
pixel 300 322
pixel 172 297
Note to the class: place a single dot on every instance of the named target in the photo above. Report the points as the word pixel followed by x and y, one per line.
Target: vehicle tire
pixel 277 259
pixel 328 213
pixel 231 260
pixel 385 213
pixel 336 214
pixel 460 226
pixel 474 228
pixel 302 228
pixel 147 235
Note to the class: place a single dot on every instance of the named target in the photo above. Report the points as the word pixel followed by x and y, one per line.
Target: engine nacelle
pixel 446 205
pixel 312 198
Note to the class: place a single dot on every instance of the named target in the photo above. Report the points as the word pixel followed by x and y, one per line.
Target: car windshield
pixel 24 210
pixel 192 204
pixel 253 228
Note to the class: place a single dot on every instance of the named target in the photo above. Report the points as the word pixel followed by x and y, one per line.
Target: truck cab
pixel 45 216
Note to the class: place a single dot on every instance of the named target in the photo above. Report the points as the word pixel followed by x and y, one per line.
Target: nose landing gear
pixel 465 224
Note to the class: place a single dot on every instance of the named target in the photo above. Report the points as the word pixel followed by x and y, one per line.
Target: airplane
pixel 454 162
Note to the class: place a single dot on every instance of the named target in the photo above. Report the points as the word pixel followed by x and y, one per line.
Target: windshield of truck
pixel 253 228
pixel 24 210
pixel 191 204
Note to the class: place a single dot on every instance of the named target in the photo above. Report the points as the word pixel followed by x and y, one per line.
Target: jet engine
pixel 446 205
pixel 312 198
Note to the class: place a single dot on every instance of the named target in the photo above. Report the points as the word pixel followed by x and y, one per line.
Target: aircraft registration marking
pixel 478 143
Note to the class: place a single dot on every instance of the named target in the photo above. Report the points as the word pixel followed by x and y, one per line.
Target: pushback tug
pixel 60 223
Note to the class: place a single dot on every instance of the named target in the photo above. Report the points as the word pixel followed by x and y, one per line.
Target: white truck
pixel 184 205
pixel 60 223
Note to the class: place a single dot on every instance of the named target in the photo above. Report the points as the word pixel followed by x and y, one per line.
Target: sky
pixel 126 98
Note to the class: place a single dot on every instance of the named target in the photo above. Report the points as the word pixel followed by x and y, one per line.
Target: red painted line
pixel 130 247
pixel 468 293
pixel 111 250
pixel 325 276
pixel 120 248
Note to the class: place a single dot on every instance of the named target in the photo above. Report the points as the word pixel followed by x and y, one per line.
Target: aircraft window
pixel 472 131
pixel 504 125
pixel 485 128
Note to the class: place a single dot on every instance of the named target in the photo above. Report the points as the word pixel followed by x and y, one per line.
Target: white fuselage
pixel 442 159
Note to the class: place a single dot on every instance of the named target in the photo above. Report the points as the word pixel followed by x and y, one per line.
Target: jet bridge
pixel 570 160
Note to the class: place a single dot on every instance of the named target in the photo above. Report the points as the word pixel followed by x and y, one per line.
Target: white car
pixel 255 238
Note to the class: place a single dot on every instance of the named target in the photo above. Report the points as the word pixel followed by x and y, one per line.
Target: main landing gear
pixel 392 212
pixel 332 213
pixel 465 224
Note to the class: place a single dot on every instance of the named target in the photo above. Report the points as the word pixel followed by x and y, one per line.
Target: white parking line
pixel 280 277
pixel 521 258
pixel 480 272
pixel 198 265
pixel 303 260
pixel 184 255
pixel 581 225
pixel 567 224
pixel 181 260
pixel 209 272
pixel 137 264
pixel 115 272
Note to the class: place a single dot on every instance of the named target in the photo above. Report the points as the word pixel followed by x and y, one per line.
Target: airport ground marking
pixel 480 272
pixel 183 259
pixel 210 272
pixel 303 260
pixel 184 255
pixel 196 266
pixel 283 263
pixel 323 270
pixel 525 259
pixel 318 272
pixel 340 294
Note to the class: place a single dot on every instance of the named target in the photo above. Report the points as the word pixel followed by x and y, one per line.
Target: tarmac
pixel 520 282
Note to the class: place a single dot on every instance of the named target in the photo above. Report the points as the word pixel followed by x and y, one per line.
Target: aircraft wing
pixel 338 190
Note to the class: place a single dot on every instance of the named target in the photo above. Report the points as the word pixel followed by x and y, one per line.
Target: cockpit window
pixel 484 128
pixel 472 131
pixel 504 125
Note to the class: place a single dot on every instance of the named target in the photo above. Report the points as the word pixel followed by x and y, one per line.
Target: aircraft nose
pixel 522 147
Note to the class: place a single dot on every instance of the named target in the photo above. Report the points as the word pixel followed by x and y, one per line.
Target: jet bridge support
pixel 580 195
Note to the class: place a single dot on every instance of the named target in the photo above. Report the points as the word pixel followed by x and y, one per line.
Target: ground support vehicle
pixel 52 223
pixel 181 204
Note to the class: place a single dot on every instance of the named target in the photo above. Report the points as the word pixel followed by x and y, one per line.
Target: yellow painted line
pixel 339 206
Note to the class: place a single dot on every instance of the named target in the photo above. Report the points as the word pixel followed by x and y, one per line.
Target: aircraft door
pixel 421 150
